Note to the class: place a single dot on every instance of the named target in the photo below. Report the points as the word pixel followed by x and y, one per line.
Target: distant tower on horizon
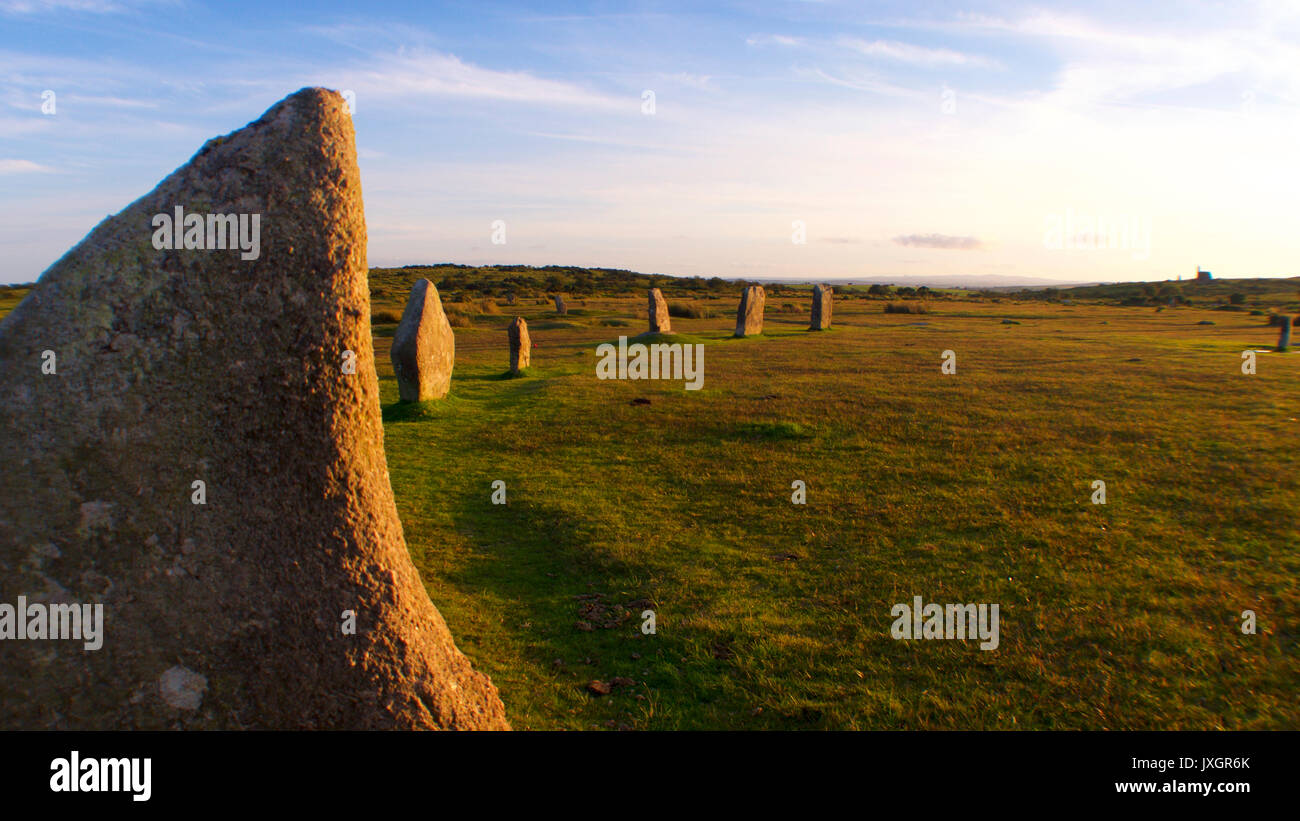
pixel 1203 276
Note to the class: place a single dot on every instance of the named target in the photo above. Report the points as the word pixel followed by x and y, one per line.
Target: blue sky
pixel 820 140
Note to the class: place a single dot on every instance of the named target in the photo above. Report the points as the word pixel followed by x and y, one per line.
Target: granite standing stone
pixel 749 317
pixel 188 376
pixel 520 345
pixel 424 348
pixel 659 321
pixel 821 307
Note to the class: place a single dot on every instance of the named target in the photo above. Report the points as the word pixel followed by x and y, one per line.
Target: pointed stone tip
pixel 325 101
pixel 313 104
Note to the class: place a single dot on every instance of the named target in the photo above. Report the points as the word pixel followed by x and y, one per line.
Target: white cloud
pixel 16 7
pixel 436 74
pixel 112 102
pixel 913 54
pixel 860 81
pixel 940 241
pixel 22 167
pixel 1111 63
pixel 775 40
pixel 703 82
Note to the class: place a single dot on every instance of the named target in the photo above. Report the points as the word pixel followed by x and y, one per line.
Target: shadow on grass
pixel 541 559
pixel 650 339
pixel 421 411
pixel 768 431
pixel 503 376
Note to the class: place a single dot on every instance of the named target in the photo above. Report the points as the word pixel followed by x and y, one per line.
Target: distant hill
pixel 1255 293
pixel 976 281
pixel 529 281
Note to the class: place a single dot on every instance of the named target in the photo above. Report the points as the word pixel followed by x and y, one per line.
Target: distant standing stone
pixel 559 305
pixel 424 348
pixel 510 298
pixel 659 321
pixel 749 317
pixel 821 307
pixel 520 345
pixel 1284 334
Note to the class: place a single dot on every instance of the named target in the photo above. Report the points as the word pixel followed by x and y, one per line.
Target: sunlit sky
pixel 893 139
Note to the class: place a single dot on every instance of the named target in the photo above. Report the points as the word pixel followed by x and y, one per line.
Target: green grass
pixel 965 488
pixel 10 297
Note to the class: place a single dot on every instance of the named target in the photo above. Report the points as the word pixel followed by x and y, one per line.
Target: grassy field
pixel 10 297
pixel 973 487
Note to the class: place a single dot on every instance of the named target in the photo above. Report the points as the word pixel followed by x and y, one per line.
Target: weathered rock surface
pixel 559 305
pixel 520 345
pixel 1284 334
pixel 749 317
pixel 821 307
pixel 424 348
pixel 659 321
pixel 177 367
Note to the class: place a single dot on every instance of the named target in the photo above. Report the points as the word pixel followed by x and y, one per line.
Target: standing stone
pixel 520 345
pixel 559 305
pixel 749 318
pixel 821 307
pixel 1284 334
pixel 424 348
pixel 181 366
pixel 659 321
pixel 510 298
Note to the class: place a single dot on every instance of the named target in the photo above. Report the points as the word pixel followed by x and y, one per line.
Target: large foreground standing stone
pixel 821 308
pixel 424 348
pixel 193 441
pixel 659 321
pixel 749 318
pixel 520 345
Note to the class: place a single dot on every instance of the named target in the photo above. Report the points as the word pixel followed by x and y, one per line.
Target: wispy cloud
pixel 913 54
pixel 35 7
pixel 436 74
pixel 860 81
pixel 43 6
pixel 1110 62
pixel 113 102
pixel 775 40
pixel 703 82
pixel 940 241
pixel 22 167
